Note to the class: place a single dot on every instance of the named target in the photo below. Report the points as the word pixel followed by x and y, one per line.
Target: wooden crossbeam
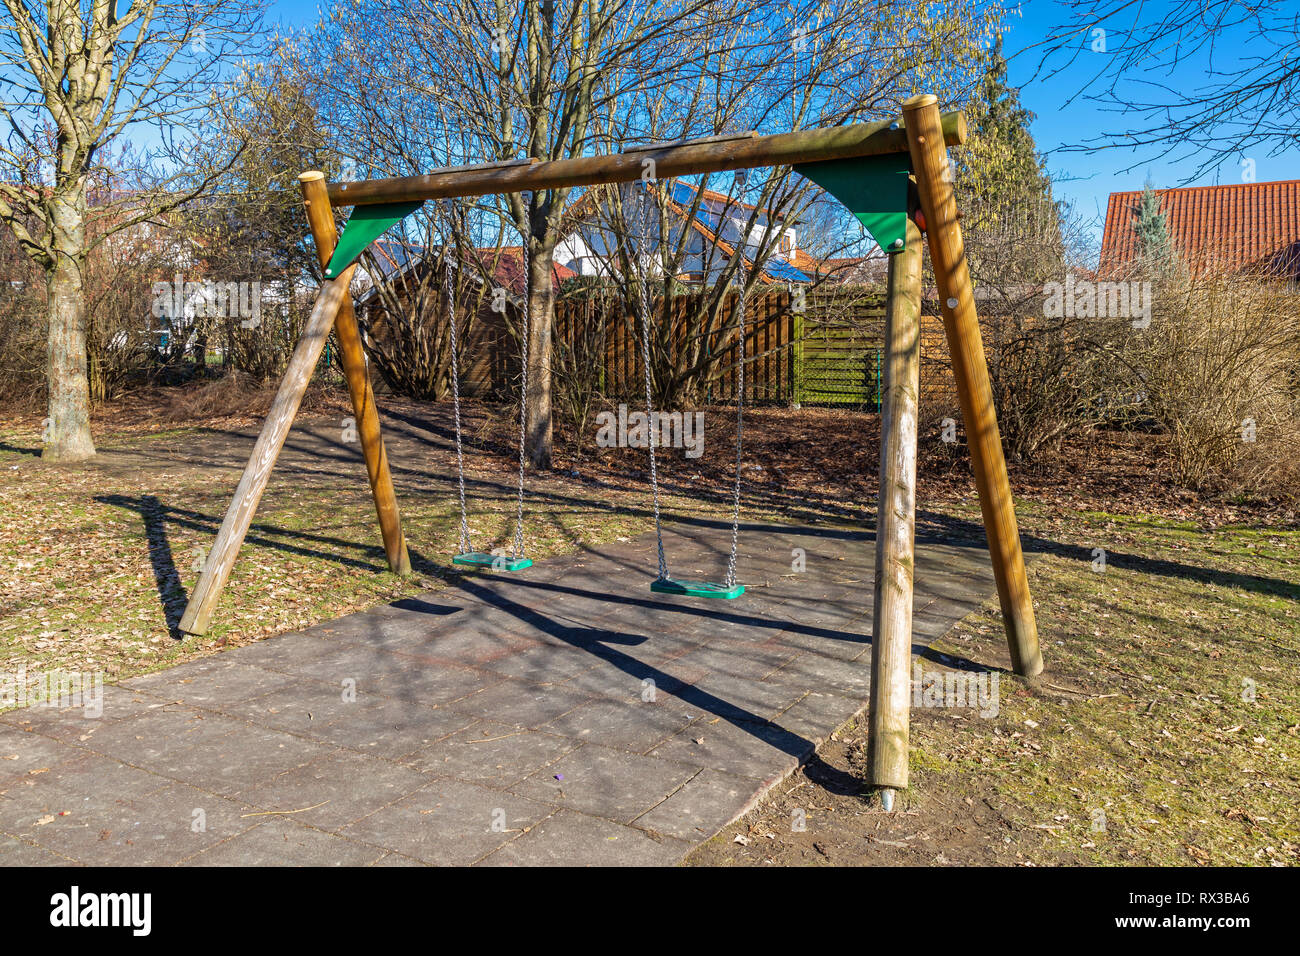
pixel 503 164
pixel 686 159
pixel 697 141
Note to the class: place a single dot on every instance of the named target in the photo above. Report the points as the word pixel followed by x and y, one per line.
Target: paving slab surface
pixel 561 715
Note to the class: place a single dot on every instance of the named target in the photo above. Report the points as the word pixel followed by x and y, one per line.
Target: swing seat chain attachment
pixel 664 583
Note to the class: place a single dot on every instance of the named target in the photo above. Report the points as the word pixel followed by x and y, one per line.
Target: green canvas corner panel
pixel 697 589
pixel 873 188
pixel 495 562
pixel 367 224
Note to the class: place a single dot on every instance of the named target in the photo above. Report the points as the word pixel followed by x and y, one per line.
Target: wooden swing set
pixel 893 176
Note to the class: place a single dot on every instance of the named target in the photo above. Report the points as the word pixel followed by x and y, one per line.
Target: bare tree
pixel 807 65
pixel 249 225
pixel 402 310
pixel 75 75
pixel 500 80
pixel 538 75
pixel 1132 57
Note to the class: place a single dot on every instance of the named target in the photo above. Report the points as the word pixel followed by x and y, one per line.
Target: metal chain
pixel 523 400
pixel 649 402
pixel 740 426
pixel 455 402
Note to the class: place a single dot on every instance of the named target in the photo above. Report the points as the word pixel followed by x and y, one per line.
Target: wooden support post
pixel 891 630
pixel 216 570
pixel 970 370
pixel 321 220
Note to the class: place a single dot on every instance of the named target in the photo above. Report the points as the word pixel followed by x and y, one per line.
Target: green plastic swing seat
pixel 497 562
pixel 697 588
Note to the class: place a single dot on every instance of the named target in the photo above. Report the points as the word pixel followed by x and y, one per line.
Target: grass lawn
pixel 101 557
pixel 1181 743
pixel 1165 730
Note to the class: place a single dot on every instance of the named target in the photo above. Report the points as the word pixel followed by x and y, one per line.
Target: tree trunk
pixel 201 349
pixel 538 425
pixel 67 433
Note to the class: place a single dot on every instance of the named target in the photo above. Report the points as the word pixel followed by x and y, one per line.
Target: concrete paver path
pixel 562 715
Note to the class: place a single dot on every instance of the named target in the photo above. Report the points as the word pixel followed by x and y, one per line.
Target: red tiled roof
pixel 855 268
pixel 804 262
pixel 509 271
pixel 1242 226
pixel 398 257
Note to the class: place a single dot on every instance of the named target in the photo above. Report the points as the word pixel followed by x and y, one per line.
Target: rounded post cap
pixel 920 100
pixel 310 176
pixel 963 130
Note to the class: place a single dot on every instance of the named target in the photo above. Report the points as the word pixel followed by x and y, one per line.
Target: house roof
pixel 795 269
pixel 395 258
pixel 678 195
pixel 1236 227
pixel 510 271
pixel 859 269
pixel 685 193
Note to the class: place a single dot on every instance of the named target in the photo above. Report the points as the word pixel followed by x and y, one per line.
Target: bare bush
pixel 262 349
pixel 122 347
pixel 404 321
pixel 578 363
pixel 1216 371
pixel 232 395
pixel 1044 378
pixel 237 395
pixel 22 330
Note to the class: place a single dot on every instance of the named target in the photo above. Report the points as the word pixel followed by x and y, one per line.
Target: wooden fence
pixel 840 349
pixel 609 338
pixel 826 353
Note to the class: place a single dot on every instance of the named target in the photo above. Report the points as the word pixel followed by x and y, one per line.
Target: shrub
pixel 1216 371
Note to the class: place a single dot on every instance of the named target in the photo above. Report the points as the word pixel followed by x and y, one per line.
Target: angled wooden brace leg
pixel 216 570
pixel 321 220
pixel 971 372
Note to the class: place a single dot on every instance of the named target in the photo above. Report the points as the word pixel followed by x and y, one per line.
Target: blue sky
pixel 1085 180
